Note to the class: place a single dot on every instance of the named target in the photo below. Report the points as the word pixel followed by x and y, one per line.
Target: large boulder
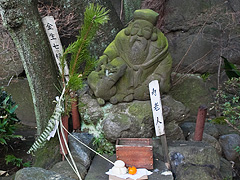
pixel 193 152
pixel 194 160
pixel 229 142
pixel 39 173
pixel 192 91
pixel 65 169
pixel 210 140
pixel 81 153
pixel 189 172
pixel 132 119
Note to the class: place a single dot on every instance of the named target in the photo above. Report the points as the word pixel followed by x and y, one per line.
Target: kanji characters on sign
pixel 156 107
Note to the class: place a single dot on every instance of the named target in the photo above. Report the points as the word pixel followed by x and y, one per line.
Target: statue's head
pixel 143 24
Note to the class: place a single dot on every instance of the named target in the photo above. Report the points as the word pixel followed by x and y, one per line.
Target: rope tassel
pixel 55 118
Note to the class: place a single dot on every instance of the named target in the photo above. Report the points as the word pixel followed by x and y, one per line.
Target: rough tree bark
pixel 24 24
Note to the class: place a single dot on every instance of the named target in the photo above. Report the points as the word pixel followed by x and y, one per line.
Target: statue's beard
pixel 138 49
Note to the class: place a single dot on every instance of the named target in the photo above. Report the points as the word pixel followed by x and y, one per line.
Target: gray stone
pixel 80 153
pixel 128 120
pixel 217 20
pixel 194 160
pixel 173 131
pixel 225 129
pixel 190 172
pixel 228 143
pixel 64 168
pixel 132 119
pixel 90 110
pixel 34 173
pixel 187 157
pixel 194 153
pixel 192 91
pixel 210 140
pixel 226 168
pixel 178 112
pixel 11 64
pixel 115 125
pixel 20 91
pixel 209 128
pixel 98 168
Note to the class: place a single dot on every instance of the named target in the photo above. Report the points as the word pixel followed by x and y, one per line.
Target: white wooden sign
pixel 53 37
pixel 156 107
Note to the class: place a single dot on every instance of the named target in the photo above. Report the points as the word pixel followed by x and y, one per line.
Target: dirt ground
pixel 17 147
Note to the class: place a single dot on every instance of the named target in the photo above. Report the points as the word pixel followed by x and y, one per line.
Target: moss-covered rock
pixel 192 91
pixel 132 119
pixel 49 155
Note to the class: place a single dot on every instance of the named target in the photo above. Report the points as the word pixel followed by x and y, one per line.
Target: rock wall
pixel 11 65
pixel 199 32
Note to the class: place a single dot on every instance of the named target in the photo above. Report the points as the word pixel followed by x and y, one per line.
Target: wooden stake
pixel 165 151
pixel 158 119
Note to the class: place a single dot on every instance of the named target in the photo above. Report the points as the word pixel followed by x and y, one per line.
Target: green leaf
pixel 27 164
pixel 2 130
pixel 14 119
pixel 2 141
pixel 230 69
pixel 13 109
pixel 3 123
pixel 14 160
pixel 5 100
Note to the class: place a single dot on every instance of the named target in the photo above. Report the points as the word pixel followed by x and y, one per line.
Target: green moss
pixel 47 156
pixel 122 119
pixel 140 110
pixel 192 92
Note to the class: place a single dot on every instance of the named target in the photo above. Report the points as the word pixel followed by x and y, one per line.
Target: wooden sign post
pixel 54 39
pixel 158 118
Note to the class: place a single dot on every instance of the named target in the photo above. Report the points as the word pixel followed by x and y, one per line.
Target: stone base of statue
pixel 132 119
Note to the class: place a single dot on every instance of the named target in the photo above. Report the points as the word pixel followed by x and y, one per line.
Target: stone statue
pixel 138 55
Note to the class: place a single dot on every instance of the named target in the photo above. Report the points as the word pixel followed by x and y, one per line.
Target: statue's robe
pixel 155 66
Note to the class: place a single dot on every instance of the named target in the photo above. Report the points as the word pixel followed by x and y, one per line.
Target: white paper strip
pixel 53 37
pixel 156 107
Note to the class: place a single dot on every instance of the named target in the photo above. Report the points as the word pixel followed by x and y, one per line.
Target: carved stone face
pixel 142 28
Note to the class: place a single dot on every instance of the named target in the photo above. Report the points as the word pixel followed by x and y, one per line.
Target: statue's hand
pixel 116 74
pixel 103 60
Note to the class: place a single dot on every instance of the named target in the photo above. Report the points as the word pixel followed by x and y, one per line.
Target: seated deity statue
pixel 137 55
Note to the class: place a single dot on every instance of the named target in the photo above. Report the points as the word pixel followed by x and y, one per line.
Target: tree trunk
pixel 24 24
